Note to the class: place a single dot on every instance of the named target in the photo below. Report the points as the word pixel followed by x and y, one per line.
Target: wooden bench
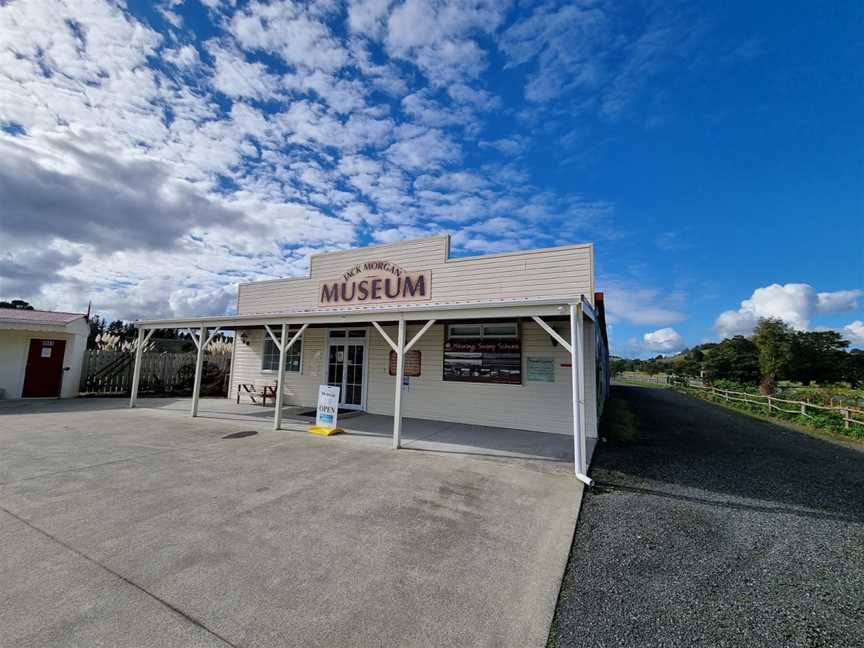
pixel 258 390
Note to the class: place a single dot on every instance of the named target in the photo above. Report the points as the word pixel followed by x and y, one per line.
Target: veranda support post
pixel 280 378
pixel 143 339
pixel 136 371
pixel 400 372
pixel 199 365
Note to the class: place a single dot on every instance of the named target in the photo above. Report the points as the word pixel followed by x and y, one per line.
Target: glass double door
pixel 346 366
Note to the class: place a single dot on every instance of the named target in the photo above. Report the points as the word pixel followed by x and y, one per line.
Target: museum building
pixel 513 340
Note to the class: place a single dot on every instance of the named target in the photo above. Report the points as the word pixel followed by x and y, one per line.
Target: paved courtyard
pixel 149 528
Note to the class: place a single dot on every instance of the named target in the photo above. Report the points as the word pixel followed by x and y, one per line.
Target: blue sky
pixel 154 154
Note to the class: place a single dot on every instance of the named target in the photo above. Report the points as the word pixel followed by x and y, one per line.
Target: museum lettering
pixel 376 289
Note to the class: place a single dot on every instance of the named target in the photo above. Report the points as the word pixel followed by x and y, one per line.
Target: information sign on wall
pixel 541 369
pixel 412 364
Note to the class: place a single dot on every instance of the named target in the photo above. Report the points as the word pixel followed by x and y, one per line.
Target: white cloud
pixel 342 95
pixel 664 339
pixel 185 57
pixel 367 17
pixel 839 301
pixel 293 31
pixel 794 303
pixel 237 77
pixel 854 332
pixel 151 174
pixel 640 305
pixel 424 151
pixel 510 146
pixel 436 36
pixel 731 323
pixel 583 51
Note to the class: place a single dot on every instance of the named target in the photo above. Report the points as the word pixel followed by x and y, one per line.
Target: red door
pixel 44 373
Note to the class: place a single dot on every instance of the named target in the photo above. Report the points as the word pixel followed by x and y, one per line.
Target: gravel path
pixel 716 529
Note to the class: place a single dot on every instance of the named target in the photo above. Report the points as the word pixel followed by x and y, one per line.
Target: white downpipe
pixel 400 369
pixel 575 374
pixel 136 371
pixel 280 378
pixel 199 364
pixel 580 349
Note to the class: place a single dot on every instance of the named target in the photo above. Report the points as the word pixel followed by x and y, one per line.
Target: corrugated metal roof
pixel 21 316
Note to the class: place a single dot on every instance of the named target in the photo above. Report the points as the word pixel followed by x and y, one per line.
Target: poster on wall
pixel 540 369
pixel 485 361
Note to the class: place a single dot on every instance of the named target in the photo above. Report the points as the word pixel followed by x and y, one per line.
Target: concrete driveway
pixel 144 527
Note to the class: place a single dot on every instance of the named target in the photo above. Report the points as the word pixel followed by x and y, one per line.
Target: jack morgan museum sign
pixel 376 282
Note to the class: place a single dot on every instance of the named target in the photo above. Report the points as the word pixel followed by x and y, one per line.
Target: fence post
pixel 845 419
pixel 769 405
pixel 803 409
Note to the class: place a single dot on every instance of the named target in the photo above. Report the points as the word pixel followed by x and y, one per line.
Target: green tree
pixel 735 359
pixel 18 304
pixel 817 356
pixel 692 361
pixel 853 368
pixel 97 326
pixel 773 339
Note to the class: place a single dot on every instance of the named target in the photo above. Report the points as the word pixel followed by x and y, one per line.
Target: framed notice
pixel 412 364
pixel 485 360
pixel 540 369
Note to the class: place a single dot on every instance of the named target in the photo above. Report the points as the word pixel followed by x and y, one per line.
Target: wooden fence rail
pixel 771 402
pixel 110 372
pixel 849 415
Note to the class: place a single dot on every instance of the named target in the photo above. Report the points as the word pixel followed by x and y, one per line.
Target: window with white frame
pixel 483 352
pixel 293 357
pixel 483 330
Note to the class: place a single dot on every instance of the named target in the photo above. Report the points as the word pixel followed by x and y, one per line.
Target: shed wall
pixel 14 346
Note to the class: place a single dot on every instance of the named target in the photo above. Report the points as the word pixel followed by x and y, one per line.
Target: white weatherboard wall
pixel 551 272
pixel 299 388
pixel 533 405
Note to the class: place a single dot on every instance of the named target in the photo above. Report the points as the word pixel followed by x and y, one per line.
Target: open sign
pixel 328 406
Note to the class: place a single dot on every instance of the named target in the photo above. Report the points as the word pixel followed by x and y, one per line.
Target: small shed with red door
pixel 41 353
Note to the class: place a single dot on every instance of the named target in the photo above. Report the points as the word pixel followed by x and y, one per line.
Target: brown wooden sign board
pixel 412 363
